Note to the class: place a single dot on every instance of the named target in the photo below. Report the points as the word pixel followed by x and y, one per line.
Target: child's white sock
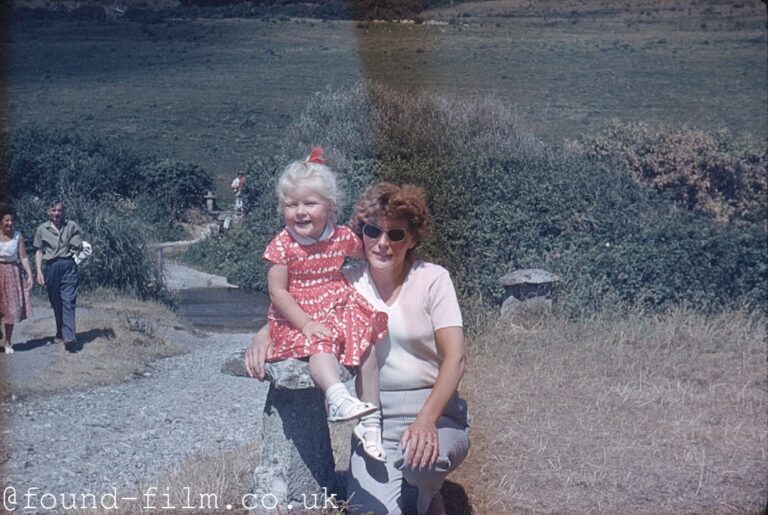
pixel 372 419
pixel 335 393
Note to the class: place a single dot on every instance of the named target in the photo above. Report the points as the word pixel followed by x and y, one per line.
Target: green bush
pixel 712 172
pixel 123 201
pixel 57 164
pixel 175 185
pixel 501 201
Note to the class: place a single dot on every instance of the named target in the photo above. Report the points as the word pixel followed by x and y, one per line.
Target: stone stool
pixel 528 290
pixel 296 466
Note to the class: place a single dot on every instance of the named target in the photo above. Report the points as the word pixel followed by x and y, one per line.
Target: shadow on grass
pixel 455 499
pixel 83 338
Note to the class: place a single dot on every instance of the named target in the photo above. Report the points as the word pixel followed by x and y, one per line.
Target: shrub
pixel 605 236
pixel 501 200
pixel 174 184
pixel 123 201
pixel 51 164
pixel 710 172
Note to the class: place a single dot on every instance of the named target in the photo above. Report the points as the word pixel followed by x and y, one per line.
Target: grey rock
pixel 529 283
pixel 529 276
pixel 295 446
pixel 290 374
pixel 296 457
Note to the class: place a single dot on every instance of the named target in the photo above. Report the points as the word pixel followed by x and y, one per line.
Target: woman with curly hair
pixel 424 423
pixel 14 289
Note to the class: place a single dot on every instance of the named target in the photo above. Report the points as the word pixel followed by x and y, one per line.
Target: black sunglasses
pixel 374 232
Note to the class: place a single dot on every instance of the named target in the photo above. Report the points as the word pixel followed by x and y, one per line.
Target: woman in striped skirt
pixel 14 290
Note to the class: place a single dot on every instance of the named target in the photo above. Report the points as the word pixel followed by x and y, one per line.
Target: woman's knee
pixel 431 476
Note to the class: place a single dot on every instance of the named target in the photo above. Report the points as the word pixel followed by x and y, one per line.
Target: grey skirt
pixel 392 487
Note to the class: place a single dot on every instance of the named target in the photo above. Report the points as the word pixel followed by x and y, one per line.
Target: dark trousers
pixel 61 278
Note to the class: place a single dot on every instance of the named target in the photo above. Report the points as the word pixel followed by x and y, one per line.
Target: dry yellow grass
pixel 647 413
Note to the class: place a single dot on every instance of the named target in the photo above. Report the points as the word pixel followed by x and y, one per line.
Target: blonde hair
pixel 318 177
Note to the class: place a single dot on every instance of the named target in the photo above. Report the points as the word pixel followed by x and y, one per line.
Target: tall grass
pixel 619 414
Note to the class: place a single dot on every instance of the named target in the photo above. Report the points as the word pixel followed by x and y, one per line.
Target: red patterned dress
pixel 317 285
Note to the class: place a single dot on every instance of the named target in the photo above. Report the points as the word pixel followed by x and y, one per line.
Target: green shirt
pixel 56 243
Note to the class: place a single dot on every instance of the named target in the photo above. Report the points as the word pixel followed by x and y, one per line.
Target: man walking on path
pixel 57 241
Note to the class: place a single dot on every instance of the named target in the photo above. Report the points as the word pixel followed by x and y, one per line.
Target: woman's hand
pixel 420 438
pixel 421 444
pixel 316 329
pixel 29 282
pixel 256 354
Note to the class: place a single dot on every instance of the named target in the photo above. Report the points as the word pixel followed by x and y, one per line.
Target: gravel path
pixel 121 435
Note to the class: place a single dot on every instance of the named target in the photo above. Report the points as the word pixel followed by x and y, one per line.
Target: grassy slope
pixel 218 92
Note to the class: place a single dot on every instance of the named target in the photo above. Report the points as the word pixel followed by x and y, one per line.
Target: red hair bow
pixel 316 156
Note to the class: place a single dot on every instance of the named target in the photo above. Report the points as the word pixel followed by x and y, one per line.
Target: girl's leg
pixel 323 368
pixel 368 431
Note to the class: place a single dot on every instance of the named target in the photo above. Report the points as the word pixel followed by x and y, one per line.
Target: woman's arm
pixel 450 347
pixel 277 282
pixel 25 261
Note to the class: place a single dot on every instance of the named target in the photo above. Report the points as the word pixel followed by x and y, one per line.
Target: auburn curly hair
pixel 385 199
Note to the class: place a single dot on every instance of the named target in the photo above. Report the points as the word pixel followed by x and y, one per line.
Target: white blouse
pixel 9 250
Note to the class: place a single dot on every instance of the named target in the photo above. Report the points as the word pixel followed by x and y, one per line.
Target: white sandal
pixel 370 438
pixel 8 349
pixel 348 408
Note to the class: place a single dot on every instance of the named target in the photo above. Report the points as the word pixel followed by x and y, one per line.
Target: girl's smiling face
pixel 306 212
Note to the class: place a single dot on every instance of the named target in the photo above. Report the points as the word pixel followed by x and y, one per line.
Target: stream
pixel 224 310
pixel 209 303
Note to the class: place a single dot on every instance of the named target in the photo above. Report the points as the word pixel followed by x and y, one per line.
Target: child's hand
pixel 316 329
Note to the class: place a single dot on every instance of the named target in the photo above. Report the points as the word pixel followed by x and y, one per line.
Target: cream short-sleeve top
pixel 427 302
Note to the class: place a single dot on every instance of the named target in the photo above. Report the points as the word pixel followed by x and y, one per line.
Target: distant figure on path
pixel 14 289
pixel 57 241
pixel 237 188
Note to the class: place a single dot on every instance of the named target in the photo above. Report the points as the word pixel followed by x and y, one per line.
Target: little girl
pixel 315 311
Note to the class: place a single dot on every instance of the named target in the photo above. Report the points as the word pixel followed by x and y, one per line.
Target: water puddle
pixel 224 310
